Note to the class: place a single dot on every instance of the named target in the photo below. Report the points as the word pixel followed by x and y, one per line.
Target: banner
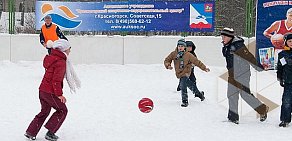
pixel 128 16
pixel 274 20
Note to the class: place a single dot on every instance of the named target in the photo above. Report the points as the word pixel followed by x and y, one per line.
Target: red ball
pixel 145 105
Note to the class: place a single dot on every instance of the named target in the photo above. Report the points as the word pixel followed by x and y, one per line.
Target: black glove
pixel 282 83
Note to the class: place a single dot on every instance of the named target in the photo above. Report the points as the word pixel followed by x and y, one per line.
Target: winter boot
pixel 30 137
pixel 200 95
pixel 185 103
pixel 51 136
pixel 178 88
pixel 264 116
pixel 234 121
pixel 283 124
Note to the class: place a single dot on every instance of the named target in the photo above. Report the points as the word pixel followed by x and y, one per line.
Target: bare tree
pixel 29 24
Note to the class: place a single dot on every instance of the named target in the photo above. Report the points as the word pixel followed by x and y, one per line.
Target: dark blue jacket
pixel 284 67
pixel 238 58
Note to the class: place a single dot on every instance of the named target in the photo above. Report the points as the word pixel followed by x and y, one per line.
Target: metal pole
pixel 3 6
pixel 249 18
pixel 9 10
pixel 22 13
pixel 11 16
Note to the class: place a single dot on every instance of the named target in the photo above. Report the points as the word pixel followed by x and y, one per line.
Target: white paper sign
pixel 283 61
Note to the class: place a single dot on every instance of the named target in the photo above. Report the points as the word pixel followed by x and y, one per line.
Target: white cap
pixel 61 45
pixel 50 44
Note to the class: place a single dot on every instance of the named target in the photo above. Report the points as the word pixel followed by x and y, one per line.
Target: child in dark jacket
pixel 284 75
pixel 238 62
pixel 183 62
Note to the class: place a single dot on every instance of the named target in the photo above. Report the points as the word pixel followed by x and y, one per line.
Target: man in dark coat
pixel 238 60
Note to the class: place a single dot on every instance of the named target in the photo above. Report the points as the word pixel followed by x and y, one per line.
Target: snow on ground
pixel 106 107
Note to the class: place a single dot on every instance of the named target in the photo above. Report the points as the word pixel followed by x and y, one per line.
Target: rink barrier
pixel 102 49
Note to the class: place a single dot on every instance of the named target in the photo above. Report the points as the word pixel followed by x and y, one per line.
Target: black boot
pixel 51 136
pixel 178 88
pixel 185 103
pixel 200 95
pixel 283 124
pixel 30 137
pixel 234 121
pixel 233 117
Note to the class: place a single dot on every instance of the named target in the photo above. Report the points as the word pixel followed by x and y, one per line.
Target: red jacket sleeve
pixel 58 77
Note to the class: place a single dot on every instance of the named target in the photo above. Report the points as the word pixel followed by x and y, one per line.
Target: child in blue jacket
pixel 284 75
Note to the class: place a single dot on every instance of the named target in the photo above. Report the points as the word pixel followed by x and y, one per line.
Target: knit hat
pixel 61 45
pixel 287 37
pixel 227 32
pixel 181 42
pixel 190 44
pixel 48 17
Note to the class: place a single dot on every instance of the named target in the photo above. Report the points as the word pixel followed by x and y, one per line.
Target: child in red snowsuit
pixel 51 94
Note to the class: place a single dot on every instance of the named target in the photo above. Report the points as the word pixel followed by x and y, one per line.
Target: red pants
pixel 48 101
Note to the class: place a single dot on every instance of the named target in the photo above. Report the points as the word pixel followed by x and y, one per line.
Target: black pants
pixel 192 78
pixel 286 107
pixel 185 83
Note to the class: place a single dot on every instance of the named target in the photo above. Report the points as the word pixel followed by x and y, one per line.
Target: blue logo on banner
pixel 60 20
pixel 201 16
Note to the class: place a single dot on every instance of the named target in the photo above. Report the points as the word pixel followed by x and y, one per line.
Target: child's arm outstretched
pixel 199 64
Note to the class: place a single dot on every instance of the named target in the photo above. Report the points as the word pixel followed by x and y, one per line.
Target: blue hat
pixel 181 42
pixel 287 37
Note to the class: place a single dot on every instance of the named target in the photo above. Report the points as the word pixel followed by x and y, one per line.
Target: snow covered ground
pixel 106 107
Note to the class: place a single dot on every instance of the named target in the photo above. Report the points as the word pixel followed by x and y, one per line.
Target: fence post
pixel 249 18
pixel 11 16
